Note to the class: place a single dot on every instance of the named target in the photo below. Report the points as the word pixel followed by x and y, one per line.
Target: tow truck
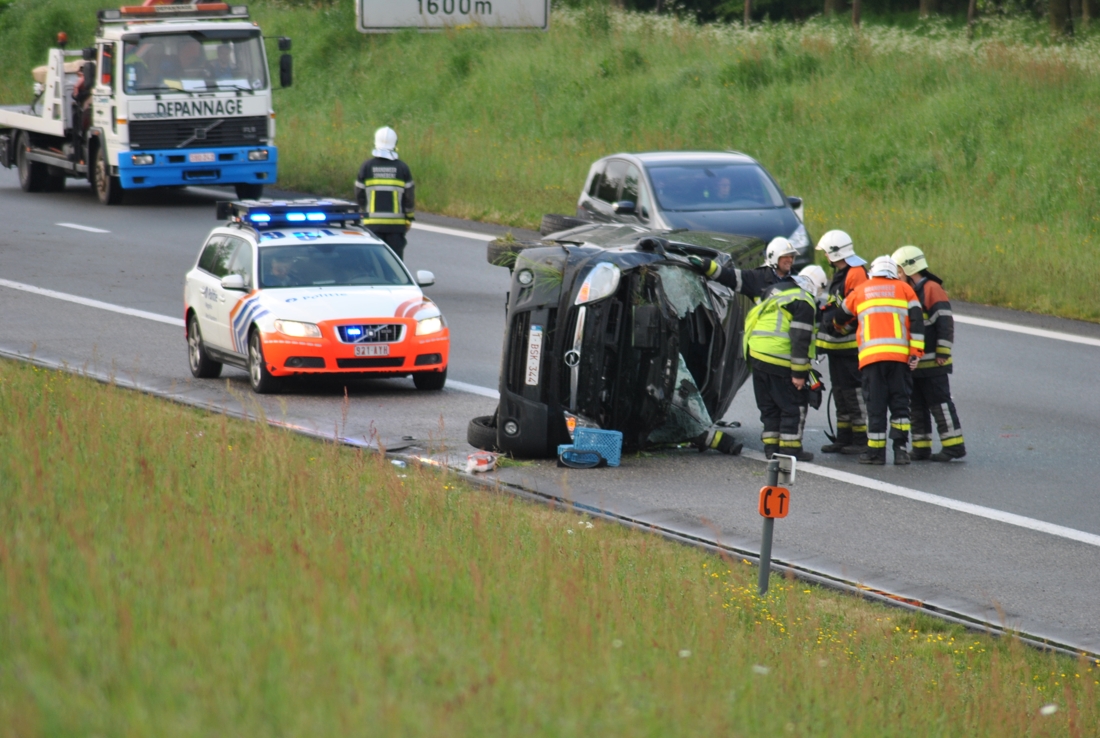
pixel 170 95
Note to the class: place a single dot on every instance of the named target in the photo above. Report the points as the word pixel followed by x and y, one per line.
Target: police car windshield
pixel 191 62
pixel 330 264
pixel 716 186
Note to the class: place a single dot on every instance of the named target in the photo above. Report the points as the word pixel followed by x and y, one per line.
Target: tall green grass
pixel 167 572
pixel 984 153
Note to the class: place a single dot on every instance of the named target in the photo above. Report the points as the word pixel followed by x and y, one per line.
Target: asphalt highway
pixel 1010 534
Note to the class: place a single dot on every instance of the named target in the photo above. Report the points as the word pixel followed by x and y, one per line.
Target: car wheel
pixel 259 377
pixel 107 188
pixel 482 432
pixel 430 381
pixel 249 191
pixel 554 223
pixel 202 366
pixel 33 175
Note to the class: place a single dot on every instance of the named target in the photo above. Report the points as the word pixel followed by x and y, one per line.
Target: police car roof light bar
pixel 272 213
pixel 161 12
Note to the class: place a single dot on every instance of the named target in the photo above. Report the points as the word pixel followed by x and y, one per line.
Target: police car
pixel 297 288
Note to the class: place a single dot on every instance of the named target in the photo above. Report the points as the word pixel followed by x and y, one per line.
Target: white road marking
pixel 1041 333
pixel 980 511
pixel 473 389
pixel 79 227
pixel 92 303
pixel 454 232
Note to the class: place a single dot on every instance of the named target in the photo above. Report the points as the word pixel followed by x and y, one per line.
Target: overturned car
pixel 608 326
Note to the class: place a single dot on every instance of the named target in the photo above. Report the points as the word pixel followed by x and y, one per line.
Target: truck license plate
pixel 373 350
pixel 534 354
pixel 201 158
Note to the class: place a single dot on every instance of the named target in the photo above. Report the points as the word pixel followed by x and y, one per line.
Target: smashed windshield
pixel 330 264
pixel 693 187
pixel 192 62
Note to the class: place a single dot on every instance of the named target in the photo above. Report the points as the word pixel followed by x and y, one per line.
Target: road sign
pixel 775 502
pixel 384 16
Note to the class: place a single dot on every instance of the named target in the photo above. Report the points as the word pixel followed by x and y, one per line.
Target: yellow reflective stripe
pixel 917 346
pixel 383 183
pixel 768 359
pixel 882 302
pixel 872 443
pixel 897 326
pixel 384 221
pixel 837 345
pixel 712 268
pixel 922 444
pixel 876 350
pixel 952 441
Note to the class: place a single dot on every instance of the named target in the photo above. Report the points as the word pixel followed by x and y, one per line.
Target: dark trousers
pixel 782 411
pixel 887 385
pixel 851 412
pixel 395 241
pixel 932 399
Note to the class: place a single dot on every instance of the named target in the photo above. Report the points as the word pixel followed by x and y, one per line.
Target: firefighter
pixel 778 260
pixel 386 192
pixel 931 386
pixel 836 339
pixel 890 334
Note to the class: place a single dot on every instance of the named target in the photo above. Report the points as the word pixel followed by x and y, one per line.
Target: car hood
pixel 315 304
pixel 763 224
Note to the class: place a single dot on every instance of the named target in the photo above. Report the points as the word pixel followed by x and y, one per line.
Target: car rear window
pixel 331 264
pixel 714 187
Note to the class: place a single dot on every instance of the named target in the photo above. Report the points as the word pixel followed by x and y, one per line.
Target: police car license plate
pixel 201 158
pixel 534 354
pixel 375 350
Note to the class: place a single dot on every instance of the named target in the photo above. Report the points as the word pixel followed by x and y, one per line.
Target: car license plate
pixel 534 354
pixel 373 350
pixel 201 158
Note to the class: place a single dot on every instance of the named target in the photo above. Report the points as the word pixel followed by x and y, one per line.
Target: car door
pixel 634 190
pixel 603 192
pixel 238 309
pixel 209 298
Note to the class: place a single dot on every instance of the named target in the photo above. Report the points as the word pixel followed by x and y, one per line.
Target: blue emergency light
pixel 273 213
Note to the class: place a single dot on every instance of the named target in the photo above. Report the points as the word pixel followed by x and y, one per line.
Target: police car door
pixel 236 313
pixel 207 297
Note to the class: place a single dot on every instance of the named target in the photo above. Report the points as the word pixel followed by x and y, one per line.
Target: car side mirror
pixel 234 282
pixel 424 278
pixel 286 70
pixel 625 207
pixel 284 43
pixel 796 202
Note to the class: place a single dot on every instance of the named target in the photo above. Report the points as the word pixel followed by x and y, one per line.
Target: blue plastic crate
pixel 608 443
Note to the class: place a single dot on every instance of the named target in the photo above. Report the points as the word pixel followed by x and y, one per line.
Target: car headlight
pixel 800 239
pixel 428 326
pixel 296 329
pixel 601 282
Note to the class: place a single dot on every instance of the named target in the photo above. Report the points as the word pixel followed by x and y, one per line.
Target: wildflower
pixel 569 531
pixel 762 670
pixel 1047 710
pixel 684 653
pixel 616 643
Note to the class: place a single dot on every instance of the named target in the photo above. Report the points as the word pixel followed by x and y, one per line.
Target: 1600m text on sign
pixel 381 16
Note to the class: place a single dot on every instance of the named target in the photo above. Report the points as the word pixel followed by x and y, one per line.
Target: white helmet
pixel 816 278
pixel 837 245
pixel 385 143
pixel 883 266
pixel 778 247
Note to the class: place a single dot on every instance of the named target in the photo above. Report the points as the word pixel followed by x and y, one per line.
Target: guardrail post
pixel 769 527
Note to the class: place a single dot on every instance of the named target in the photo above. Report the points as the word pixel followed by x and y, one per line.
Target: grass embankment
pixel 168 572
pixel 983 153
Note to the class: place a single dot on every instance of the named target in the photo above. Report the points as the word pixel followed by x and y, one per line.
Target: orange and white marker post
pixel 775 502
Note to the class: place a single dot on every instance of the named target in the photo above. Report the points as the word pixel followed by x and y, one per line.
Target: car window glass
pixel 208 262
pixel 594 187
pixel 634 190
pixel 241 261
pixel 714 187
pixel 612 181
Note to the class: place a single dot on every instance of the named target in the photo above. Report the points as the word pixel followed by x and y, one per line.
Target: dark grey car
pixel 723 192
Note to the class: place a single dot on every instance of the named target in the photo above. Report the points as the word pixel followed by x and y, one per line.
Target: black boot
pixel 718 440
pixel 920 454
pixel 770 450
pixel 857 446
pixel 950 452
pixel 798 452
pixel 876 456
pixel 843 438
pixel 901 456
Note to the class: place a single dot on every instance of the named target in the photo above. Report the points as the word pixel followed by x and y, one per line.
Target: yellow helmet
pixel 911 260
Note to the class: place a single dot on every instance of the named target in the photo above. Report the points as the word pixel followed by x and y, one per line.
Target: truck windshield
pixel 330 265
pixel 191 62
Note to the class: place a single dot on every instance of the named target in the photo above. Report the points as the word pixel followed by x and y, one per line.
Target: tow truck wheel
pixel 249 191
pixel 202 366
pixel 32 174
pixel 262 381
pixel 107 188
pixel 430 381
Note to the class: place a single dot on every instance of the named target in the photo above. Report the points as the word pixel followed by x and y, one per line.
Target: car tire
pixel 430 381
pixel 482 432
pixel 202 366
pixel 33 175
pixel 262 381
pixel 107 188
pixel 554 223
pixel 249 191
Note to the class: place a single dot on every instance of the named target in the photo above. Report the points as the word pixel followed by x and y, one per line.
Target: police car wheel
pixel 202 366
pixel 249 191
pixel 430 381
pixel 259 377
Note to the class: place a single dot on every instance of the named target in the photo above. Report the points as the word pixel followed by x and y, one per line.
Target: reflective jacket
pixel 890 322
pixel 387 195
pixel 779 332
pixel 836 334
pixel 939 326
